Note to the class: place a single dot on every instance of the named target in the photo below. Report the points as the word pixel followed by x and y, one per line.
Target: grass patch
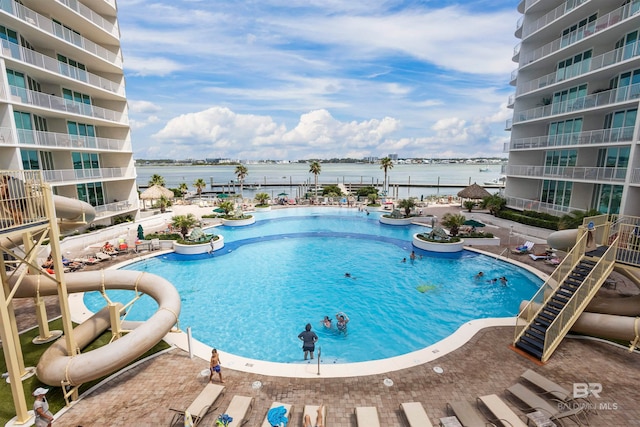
pixel 31 354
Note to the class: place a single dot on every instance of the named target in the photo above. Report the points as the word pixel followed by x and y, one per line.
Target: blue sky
pixel 294 79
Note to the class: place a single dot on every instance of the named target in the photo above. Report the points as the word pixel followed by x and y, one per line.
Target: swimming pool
pixel 254 296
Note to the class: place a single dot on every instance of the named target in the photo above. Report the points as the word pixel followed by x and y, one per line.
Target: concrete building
pixel 574 132
pixel 63 107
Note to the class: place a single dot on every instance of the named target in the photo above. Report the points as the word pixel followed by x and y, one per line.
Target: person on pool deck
pixel 319 420
pixel 308 338
pixel 326 322
pixel 214 365
pixel 44 417
pixel 343 319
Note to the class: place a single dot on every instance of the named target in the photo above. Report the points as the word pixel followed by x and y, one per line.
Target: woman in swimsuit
pixel 343 319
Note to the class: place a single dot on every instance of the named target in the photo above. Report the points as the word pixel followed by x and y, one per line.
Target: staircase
pixel 562 299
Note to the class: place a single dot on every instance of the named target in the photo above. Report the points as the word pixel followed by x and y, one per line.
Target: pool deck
pixel 142 395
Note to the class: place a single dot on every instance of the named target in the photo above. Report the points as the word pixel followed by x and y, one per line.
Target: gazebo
pixel 155 192
pixel 474 192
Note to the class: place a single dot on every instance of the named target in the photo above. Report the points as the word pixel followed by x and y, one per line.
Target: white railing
pixel 43 100
pixel 538 206
pixel 606 59
pixel 635 176
pixel 116 208
pixel 22 198
pixel 551 16
pixel 598 136
pixel 607 97
pixel 591 28
pixel 62 140
pixel 91 15
pixel 571 173
pixel 47 25
pixel 71 175
pixel 19 53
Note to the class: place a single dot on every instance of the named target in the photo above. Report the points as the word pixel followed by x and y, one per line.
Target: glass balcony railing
pixel 535 205
pixel 608 97
pixel 116 208
pixel 598 136
pixel 90 15
pixel 635 176
pixel 47 25
pixel 68 176
pixel 62 140
pixel 19 53
pixel 43 100
pixel 569 173
pixel 551 16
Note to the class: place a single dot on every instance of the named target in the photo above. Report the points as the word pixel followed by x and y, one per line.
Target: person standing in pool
pixel 308 338
pixel 341 324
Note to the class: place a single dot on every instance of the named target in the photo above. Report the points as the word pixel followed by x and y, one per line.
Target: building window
pixel 574 66
pixel 557 160
pixel 619 125
pixel 607 198
pixel 82 134
pixel 91 193
pixel 557 193
pixel 578 31
pixel 569 99
pixel 627 85
pixel 565 133
pixel 72 68
pixel 24 127
pixel 30 160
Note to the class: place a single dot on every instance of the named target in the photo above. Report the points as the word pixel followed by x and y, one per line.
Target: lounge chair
pixel 367 416
pixel 238 410
pixel 524 248
pixel 543 255
pixel 555 411
pixel 101 256
pixel 499 412
pixel 200 406
pixel 312 411
pixel 415 414
pixel 288 410
pixel 467 414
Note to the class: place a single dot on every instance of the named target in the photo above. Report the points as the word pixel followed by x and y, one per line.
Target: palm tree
pixel 184 223
pixel 183 188
pixel 386 164
pixel 156 180
pixel 241 174
pixel 407 205
pixel 227 206
pixel 200 184
pixel 453 222
pixel 315 168
pixel 261 198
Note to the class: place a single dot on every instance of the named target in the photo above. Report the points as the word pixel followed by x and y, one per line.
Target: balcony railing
pixel 47 25
pixel 551 16
pixel 535 205
pixel 90 15
pixel 622 94
pixel 596 26
pixel 635 176
pixel 22 199
pixel 19 53
pixel 71 175
pixel 606 59
pixel 43 100
pixel 61 140
pixel 599 136
pixel 570 173
pixel 116 208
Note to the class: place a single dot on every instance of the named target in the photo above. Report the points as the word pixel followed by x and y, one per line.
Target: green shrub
pixel 426 238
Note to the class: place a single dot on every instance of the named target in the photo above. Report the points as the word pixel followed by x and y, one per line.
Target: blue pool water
pixel 253 297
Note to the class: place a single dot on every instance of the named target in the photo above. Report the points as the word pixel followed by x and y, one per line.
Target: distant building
pixel 393 157
pixel 574 131
pixel 64 108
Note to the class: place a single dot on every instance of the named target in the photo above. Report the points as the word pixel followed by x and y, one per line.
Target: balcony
pixel 551 16
pixel 92 16
pixel 19 53
pixel 606 59
pixel 116 208
pixel 635 176
pixel 569 173
pixel 61 140
pixel 48 26
pixel 511 100
pixel 69 176
pixel 42 100
pixel 537 206
pixel 608 97
pixel 597 26
pixel 598 136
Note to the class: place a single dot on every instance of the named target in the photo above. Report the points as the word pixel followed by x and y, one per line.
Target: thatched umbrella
pixel 474 191
pixel 155 192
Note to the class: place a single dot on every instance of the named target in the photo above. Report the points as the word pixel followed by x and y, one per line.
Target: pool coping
pixel 311 368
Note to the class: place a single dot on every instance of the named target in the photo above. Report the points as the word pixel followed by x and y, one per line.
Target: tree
pixel 156 180
pixel 575 218
pixel 200 185
pixel 183 188
pixel 227 206
pixel 494 203
pixel 407 205
pixel 163 202
pixel 469 204
pixel 261 198
pixel 386 164
pixel 365 191
pixel 315 168
pixel 453 222
pixel 184 223
pixel 241 173
pixel 331 191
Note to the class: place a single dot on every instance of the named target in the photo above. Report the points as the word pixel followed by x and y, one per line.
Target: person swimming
pixel 343 319
pixel 326 322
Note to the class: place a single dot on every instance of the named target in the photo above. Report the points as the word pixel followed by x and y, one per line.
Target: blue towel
pixel 277 416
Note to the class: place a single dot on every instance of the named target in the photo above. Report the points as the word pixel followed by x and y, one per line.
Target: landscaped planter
pixel 201 248
pixel 395 221
pixel 482 241
pixel 238 222
pixel 373 208
pixel 262 208
pixel 437 247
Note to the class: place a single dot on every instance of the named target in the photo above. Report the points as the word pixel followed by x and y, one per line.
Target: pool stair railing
pixel 544 322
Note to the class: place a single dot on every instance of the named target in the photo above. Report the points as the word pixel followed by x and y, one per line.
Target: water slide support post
pixel 189 342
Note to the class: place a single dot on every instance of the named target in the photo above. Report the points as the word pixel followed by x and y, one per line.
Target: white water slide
pixel 55 365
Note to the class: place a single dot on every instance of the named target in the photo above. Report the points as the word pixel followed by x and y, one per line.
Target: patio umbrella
pixel 140 232
pixel 473 223
pixel 474 191
pixel 282 194
pixel 219 210
pixel 223 196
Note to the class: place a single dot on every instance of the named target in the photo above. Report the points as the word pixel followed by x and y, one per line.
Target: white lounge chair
pixel 367 416
pixel 200 406
pixel 415 414
pixel 288 408
pixel 524 249
pixel 500 412
pixel 312 411
pixel 239 409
